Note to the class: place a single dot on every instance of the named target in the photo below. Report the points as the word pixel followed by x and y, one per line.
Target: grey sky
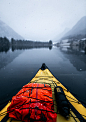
pixel 41 19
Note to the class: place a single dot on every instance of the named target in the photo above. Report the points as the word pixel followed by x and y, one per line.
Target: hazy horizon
pixel 40 19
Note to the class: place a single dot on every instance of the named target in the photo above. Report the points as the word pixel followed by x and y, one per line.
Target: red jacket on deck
pixel 33 103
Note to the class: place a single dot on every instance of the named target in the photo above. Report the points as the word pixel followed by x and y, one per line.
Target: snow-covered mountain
pixel 6 31
pixel 78 29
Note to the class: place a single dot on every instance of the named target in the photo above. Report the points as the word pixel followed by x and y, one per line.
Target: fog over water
pixel 41 19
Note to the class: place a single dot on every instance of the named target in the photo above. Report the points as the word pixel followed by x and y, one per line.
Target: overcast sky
pixel 41 19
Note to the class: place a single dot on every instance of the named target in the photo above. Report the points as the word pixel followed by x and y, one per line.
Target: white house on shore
pixel 65 42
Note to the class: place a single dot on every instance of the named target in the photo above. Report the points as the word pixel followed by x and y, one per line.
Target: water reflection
pixel 13 48
pixel 8 57
pixel 16 47
pixel 76 57
pixel 20 65
pixel 4 48
pixel 9 53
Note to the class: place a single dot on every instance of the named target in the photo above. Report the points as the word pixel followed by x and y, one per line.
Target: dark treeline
pixel 29 43
pixel 5 44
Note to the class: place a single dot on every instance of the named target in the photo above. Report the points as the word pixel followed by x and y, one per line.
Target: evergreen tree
pixel 50 42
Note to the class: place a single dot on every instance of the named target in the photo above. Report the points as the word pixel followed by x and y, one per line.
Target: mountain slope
pixel 79 28
pixel 58 37
pixel 6 31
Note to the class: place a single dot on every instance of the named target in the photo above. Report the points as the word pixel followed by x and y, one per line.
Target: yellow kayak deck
pixel 46 77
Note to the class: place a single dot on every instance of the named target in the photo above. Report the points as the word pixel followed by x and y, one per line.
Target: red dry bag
pixel 33 102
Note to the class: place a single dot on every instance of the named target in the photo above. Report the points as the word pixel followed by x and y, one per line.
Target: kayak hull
pixel 44 76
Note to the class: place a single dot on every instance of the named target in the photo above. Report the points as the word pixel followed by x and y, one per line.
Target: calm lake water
pixel 18 67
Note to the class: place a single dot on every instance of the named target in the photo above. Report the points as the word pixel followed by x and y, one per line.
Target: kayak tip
pixel 43 67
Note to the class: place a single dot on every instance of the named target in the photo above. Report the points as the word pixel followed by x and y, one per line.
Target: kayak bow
pixel 66 106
